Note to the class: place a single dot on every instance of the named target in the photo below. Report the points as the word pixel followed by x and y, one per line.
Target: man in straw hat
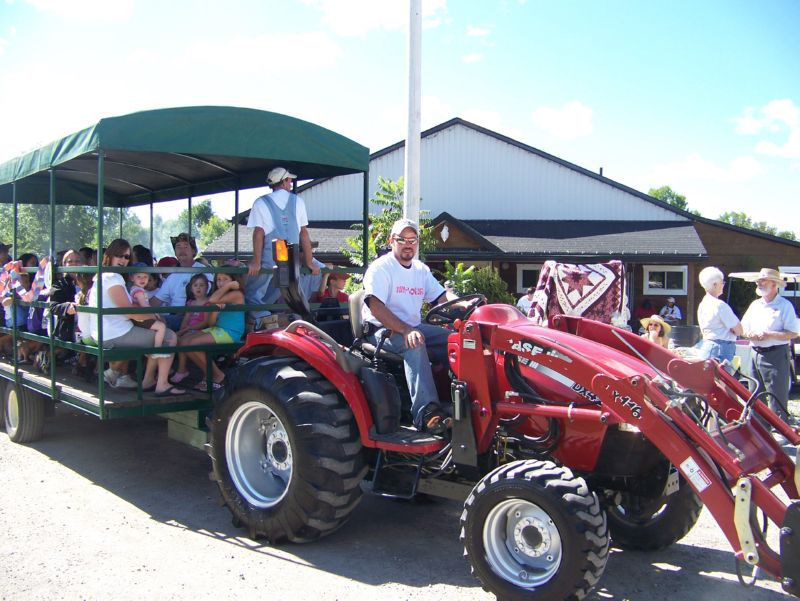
pixel 770 323
pixel 280 215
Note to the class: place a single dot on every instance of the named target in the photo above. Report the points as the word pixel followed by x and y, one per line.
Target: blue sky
pixel 702 96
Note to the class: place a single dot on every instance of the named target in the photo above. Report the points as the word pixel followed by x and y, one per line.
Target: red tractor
pixel 563 439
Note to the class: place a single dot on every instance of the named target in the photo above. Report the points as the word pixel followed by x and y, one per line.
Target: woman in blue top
pixel 226 326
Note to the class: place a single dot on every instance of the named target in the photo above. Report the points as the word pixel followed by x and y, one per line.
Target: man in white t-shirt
pixel 524 303
pixel 173 291
pixel 395 287
pixel 279 215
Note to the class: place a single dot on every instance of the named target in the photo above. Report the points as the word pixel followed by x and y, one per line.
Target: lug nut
pixel 786 531
pixel 523 574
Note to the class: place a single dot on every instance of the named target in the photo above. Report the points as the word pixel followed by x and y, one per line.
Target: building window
pixel 664 279
pixel 792 289
pixel 527 276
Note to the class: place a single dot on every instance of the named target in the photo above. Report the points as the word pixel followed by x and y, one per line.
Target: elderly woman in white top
pixel 718 323
pixel 120 330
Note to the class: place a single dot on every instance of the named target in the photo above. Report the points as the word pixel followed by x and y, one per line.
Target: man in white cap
pixel 670 312
pixel 770 324
pixel 395 287
pixel 279 215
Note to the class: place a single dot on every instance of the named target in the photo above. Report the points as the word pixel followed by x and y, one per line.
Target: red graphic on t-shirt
pixel 409 290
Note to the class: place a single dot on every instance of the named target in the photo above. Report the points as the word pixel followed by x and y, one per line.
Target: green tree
pixel 741 219
pixel 458 276
pixel 668 195
pixel 76 226
pixel 389 197
pixel 487 281
pixel 212 229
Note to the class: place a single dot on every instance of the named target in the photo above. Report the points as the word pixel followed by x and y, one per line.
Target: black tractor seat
pixel 359 338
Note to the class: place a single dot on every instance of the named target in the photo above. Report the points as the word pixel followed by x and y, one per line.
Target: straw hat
pixel 773 275
pixel 766 273
pixel 665 327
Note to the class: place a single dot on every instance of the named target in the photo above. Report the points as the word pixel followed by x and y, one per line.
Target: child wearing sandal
pixel 225 327
pixel 139 296
pixel 193 322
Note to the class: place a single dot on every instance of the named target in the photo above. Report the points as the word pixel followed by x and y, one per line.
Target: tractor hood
pixel 512 326
pixel 616 363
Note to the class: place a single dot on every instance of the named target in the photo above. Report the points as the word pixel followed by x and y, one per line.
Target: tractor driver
pixel 395 287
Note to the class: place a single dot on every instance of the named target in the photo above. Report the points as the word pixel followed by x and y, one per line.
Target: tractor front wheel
pixel 286 452
pixel 646 524
pixel 532 530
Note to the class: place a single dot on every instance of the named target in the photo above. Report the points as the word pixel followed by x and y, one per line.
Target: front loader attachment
pixel 717 433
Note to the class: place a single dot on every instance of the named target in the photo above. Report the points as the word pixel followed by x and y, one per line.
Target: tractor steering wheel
pixel 449 311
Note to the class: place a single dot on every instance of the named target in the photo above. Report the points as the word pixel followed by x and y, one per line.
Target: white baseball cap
pixel 279 174
pixel 402 224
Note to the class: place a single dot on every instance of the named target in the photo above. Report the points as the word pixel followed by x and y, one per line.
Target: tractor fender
pixel 321 358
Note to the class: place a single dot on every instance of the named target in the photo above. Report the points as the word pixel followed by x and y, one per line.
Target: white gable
pixel 524 185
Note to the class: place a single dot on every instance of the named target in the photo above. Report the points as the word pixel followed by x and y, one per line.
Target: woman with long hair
pixel 121 331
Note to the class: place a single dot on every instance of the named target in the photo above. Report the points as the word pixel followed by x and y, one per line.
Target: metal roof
pixel 167 154
pixel 529 239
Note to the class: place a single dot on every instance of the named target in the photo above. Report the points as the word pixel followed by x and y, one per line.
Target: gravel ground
pixel 100 510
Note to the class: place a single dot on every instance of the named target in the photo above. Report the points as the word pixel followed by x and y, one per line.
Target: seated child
pixel 197 296
pixel 140 297
pixel 225 327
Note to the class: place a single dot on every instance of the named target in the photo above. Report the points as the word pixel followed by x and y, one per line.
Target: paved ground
pixel 116 510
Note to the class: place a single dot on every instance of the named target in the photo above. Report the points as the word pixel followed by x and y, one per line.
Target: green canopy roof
pixel 168 154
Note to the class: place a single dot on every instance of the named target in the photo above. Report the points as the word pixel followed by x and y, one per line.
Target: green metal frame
pixel 129 134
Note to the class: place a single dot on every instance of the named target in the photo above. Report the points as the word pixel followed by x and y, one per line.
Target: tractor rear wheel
pixel 286 452
pixel 646 524
pixel 23 413
pixel 532 530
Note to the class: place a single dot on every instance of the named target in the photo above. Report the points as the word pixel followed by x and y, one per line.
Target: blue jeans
pixel 417 365
pixel 259 291
pixel 716 349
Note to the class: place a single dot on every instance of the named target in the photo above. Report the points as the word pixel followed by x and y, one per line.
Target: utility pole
pixel 411 176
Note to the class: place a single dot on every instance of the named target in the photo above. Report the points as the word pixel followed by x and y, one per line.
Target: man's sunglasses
pixel 410 241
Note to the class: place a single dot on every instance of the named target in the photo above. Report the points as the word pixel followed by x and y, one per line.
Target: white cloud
pixel 356 18
pixel 573 120
pixel 478 31
pixel 256 55
pixel 789 150
pixel 86 11
pixel 472 57
pixel 774 117
pixel 695 168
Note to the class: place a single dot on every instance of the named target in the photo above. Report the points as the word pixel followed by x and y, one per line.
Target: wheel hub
pixel 259 454
pixel 522 543
pixel 531 537
pixel 279 453
pixel 12 410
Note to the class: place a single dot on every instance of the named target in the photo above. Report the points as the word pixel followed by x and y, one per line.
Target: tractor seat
pixel 357 323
